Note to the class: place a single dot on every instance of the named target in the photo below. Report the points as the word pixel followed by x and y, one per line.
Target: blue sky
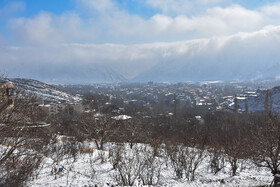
pixel 131 36
pixel 33 7
pixel 134 14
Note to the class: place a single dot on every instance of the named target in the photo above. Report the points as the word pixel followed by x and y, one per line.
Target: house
pixel 54 109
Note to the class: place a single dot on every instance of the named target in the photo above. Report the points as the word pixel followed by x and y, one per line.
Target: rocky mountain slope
pixel 256 101
pixel 42 90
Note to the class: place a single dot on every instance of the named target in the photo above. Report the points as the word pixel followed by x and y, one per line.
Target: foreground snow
pixel 89 170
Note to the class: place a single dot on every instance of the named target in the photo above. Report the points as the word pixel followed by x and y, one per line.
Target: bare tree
pixel 150 175
pixel 19 156
pixel 128 167
pixel 132 131
pixel 97 126
pixel 266 149
pixel 193 161
pixel 185 160
pixel 217 160
pixel 176 154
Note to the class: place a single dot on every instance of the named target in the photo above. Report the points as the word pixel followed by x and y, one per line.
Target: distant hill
pixel 232 58
pixel 202 69
pixel 71 74
pixel 42 90
pixel 256 101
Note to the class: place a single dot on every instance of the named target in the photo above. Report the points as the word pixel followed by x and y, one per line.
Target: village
pixel 94 132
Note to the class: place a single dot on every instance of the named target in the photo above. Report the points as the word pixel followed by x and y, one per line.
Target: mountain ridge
pixel 43 91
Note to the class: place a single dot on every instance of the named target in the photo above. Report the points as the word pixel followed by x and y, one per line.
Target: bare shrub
pixel 115 154
pixel 150 175
pixel 217 160
pixel 177 157
pixel 102 156
pixel 18 169
pixel 128 167
pixel 136 164
pixel 235 152
pixel 194 158
pixel 185 160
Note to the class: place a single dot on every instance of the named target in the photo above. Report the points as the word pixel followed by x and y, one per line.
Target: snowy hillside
pixel 42 90
pixel 256 101
pixel 95 167
pixel 74 74
pixel 238 58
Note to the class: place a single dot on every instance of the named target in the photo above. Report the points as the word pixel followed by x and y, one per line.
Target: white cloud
pixel 38 29
pixel 106 22
pixel 100 6
pixel 68 39
pixel 237 18
pixel 253 51
pixel 46 28
pixel 216 21
pixel 271 10
pixel 271 13
pixel 182 7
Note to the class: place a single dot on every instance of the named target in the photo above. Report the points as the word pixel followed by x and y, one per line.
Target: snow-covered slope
pixel 89 170
pixel 256 102
pixel 237 57
pixel 74 74
pixel 42 90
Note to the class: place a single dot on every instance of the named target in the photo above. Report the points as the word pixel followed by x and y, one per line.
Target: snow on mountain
pixel 74 74
pixel 238 57
pixel 256 101
pixel 43 90
pixel 201 69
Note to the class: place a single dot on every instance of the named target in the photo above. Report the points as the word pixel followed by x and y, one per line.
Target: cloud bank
pixel 218 40
pixel 103 21
pixel 243 54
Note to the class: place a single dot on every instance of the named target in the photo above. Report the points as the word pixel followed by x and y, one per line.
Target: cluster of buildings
pixel 164 98
pixel 52 109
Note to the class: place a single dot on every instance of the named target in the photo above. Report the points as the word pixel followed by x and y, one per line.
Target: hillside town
pixel 194 100
pixel 164 98
pixel 82 124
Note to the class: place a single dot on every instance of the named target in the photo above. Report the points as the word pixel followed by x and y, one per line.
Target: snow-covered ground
pixel 89 170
